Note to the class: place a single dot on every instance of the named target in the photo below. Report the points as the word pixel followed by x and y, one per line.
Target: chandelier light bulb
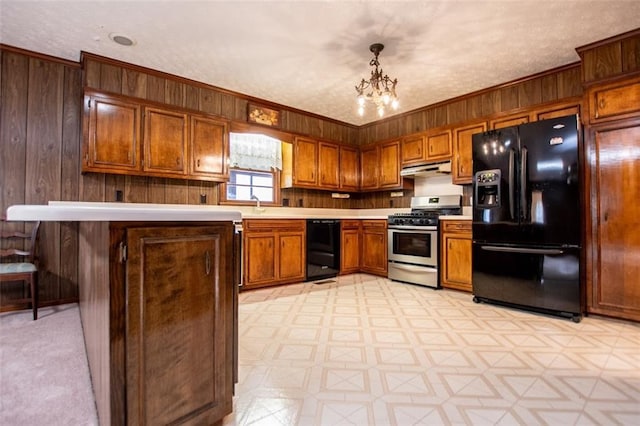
pixel 379 89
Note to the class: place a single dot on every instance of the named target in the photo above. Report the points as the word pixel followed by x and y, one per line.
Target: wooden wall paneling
pixel 414 123
pixel 530 92
pixel 209 102
pixel 602 62
pixel 240 112
pixel 456 111
pixel 549 88
pixel 111 78
pixel 91 73
pixel 227 106
pixel 134 83
pixel 155 88
pixel 509 98
pixel 13 135
pixel 156 193
pixel 176 191
pixel 174 93
pixel 69 180
pixel 438 117
pixel 191 97
pixel 473 108
pixel 491 102
pixel 569 83
pixel 631 54
pixel 44 162
pixel 136 189
pixel 92 187
pixel 395 127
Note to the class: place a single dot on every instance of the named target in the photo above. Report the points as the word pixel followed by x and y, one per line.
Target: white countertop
pixel 99 211
pixel 114 212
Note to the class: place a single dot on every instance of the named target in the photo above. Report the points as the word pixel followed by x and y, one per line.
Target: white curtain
pixel 253 151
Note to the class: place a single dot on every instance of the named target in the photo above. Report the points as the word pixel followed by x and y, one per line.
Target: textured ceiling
pixel 309 55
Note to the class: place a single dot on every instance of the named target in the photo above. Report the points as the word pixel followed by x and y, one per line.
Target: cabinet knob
pixel 198 163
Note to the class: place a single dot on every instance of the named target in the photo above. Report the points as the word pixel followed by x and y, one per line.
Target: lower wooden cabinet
pixel 156 301
pixel 274 252
pixel 374 247
pixel 350 246
pixel 455 263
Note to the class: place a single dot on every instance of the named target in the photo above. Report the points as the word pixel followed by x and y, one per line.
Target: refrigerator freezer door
pixel 495 153
pixel 549 186
pixel 538 278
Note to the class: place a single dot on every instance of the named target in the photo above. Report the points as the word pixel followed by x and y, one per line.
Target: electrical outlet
pixel 119 196
pixel 203 198
pixel 397 194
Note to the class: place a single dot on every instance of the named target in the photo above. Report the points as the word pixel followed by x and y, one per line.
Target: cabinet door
pixel 305 162
pixel 374 247
pixel 462 164
pixel 413 150
pixel 209 148
pixel 165 142
pixel 556 111
pixel 439 146
pixel 390 165
pixel 291 256
pixel 111 139
pixel 615 242
pixel 328 165
pixel 179 324
pixel 456 271
pixel 616 100
pixel 511 120
pixel 350 251
pixel 260 259
pixel 349 180
pixel 369 166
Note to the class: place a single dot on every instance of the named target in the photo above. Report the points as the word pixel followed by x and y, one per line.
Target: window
pixel 256 161
pixel 244 184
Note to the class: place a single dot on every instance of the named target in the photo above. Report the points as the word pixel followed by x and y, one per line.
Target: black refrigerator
pixel 526 217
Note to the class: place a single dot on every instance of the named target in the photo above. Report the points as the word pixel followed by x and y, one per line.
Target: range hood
pixel 433 169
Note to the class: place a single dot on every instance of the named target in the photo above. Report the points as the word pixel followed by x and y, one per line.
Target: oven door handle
pixel 410 268
pixel 412 228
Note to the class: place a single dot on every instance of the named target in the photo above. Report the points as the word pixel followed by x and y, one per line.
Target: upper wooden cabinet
pixel 165 142
pixel 122 135
pixel 349 176
pixel 209 148
pixel 328 165
pixel 462 164
pixel 614 101
pixel 426 147
pixel 111 134
pixel 390 165
pixel 510 120
pixel 305 162
pixel 369 166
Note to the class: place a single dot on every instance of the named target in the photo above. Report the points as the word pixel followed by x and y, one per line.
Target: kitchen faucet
pixel 253 197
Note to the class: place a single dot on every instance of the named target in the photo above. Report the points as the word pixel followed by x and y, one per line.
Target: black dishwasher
pixel 323 248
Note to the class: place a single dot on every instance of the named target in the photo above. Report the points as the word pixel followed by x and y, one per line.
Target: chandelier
pixel 379 89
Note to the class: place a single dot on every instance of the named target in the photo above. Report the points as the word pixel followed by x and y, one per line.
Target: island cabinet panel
pixel 157 312
pixel 112 134
pixel 456 255
pixel 274 252
pixel 165 141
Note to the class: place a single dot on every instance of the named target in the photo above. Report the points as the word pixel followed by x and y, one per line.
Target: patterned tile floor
pixel 363 350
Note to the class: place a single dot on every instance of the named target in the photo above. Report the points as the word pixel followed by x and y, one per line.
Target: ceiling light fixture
pixel 379 89
pixel 122 39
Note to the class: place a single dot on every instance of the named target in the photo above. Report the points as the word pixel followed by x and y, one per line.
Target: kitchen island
pixel 157 293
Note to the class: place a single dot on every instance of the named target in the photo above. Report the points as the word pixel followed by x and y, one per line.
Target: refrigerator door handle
pixel 512 155
pixel 522 250
pixel 523 184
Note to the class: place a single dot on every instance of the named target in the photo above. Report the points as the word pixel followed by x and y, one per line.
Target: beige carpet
pixel 44 377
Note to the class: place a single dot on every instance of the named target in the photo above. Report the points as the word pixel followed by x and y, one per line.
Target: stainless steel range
pixel 413 239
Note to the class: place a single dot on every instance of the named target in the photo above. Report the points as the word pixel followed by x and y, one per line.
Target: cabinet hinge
pixel 123 252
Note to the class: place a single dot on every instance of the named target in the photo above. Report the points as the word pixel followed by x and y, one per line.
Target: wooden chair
pixel 19 261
